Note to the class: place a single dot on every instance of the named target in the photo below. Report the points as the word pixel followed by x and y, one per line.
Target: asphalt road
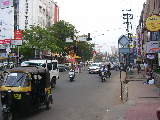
pixel 86 98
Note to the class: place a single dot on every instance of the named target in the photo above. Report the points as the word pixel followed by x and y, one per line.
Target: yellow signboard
pixel 131 46
pixel 153 23
pixel 2 58
pixel 76 56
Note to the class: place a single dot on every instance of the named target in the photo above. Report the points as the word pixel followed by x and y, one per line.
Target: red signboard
pixel 93 52
pixel 139 42
pixel 5 41
pixel 17 34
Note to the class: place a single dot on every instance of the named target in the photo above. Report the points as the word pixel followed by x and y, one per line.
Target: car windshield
pixel 14 79
pixel 94 64
pixel 60 65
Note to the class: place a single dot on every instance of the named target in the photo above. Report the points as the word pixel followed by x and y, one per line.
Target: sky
pixel 103 19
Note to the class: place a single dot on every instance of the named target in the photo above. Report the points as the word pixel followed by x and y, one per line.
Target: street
pixel 86 98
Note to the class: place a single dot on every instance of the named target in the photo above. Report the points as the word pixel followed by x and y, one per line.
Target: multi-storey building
pixel 37 12
pixel 21 14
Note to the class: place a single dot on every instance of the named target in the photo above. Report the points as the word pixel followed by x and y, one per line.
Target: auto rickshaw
pixel 25 89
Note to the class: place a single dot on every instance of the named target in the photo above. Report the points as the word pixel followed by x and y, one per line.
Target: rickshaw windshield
pixel 14 79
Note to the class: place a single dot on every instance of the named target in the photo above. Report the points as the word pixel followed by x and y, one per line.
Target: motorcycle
pixel 103 76
pixel 71 75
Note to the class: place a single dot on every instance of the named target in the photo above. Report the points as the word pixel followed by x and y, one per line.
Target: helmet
pixel 104 67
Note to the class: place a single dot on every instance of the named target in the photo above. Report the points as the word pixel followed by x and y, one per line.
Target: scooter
pixel 103 76
pixel 71 75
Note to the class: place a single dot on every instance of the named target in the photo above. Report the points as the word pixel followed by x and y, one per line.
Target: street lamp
pixel 95 46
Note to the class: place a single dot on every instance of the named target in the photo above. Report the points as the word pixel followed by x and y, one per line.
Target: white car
pixel 94 68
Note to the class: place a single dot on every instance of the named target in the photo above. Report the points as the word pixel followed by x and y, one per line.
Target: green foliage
pixel 85 50
pixel 53 39
pixel 62 30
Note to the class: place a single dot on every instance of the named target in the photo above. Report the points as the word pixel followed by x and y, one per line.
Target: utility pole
pixel 128 17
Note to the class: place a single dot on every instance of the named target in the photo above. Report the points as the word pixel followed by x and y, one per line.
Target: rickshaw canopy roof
pixel 31 70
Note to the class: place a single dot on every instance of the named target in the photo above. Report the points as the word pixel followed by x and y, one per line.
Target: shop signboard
pixel 139 41
pixel 153 23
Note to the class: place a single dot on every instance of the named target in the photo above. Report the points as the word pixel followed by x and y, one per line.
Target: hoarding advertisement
pixel 6 24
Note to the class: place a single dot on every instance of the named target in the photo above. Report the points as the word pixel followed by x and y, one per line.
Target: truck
pixel 52 66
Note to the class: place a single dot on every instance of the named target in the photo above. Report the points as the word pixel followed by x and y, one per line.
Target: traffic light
pixel 89 37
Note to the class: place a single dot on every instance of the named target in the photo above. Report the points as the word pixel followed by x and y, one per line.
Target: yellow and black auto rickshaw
pixel 25 89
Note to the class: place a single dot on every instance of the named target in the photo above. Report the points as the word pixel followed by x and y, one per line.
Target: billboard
pixel 6 24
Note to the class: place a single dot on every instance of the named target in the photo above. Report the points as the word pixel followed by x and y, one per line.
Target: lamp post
pixel 94 54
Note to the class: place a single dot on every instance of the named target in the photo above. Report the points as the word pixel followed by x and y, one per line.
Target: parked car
pixel 62 67
pixel 94 68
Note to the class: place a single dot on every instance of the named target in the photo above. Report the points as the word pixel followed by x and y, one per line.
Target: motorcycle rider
pixel 109 68
pixel 104 70
pixel 72 67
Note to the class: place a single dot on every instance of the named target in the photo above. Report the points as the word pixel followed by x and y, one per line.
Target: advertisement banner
pixel 6 3
pixel 152 46
pixel 6 24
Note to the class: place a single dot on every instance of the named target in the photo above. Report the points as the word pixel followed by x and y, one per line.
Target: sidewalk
pixel 143 99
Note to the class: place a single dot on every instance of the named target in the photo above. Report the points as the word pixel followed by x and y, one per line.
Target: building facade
pixel 37 12
pixel 20 14
pixel 148 41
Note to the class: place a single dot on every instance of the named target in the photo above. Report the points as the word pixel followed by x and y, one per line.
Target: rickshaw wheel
pixel 7 116
pixel 53 82
pixel 48 104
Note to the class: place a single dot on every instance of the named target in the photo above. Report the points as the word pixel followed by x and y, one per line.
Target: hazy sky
pixel 101 17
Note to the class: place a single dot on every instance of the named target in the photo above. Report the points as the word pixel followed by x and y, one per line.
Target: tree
pixel 47 39
pixel 36 38
pixel 62 30
pixel 85 50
